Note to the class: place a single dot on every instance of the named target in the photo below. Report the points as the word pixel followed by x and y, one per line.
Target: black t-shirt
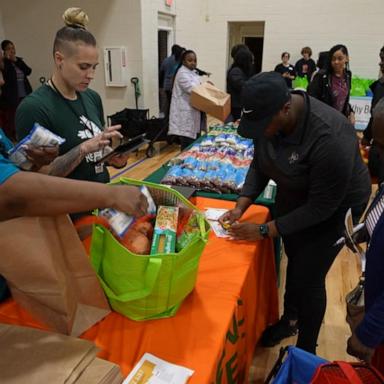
pixel 281 68
pixel 305 68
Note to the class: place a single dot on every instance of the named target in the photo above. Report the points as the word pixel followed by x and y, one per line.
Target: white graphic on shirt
pixel 91 130
pixel 293 158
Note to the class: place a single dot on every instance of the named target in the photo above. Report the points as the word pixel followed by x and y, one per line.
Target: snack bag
pixel 164 236
pixel 151 204
pixel 187 231
pixel 39 137
pixel 134 234
pixel 119 222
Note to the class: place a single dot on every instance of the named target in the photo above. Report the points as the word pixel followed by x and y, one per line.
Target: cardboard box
pixel 211 100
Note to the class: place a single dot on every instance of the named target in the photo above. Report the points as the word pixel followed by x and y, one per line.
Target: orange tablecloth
pixel 216 329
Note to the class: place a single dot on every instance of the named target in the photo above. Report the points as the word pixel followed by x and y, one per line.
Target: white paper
pixel 218 230
pixel 214 213
pixel 152 370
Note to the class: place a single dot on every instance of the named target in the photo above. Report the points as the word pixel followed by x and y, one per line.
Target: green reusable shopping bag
pixel 147 286
pixel 357 87
pixel 300 82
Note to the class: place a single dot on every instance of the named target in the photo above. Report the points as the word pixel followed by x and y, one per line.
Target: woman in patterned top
pixel 333 84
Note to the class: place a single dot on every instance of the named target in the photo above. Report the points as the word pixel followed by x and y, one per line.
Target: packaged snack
pixel 188 231
pixel 164 236
pixel 120 222
pixel 134 234
pixel 151 204
pixel 232 140
pixel 207 142
pixel 39 137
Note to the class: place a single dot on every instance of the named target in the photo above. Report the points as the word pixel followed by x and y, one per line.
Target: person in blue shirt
pixel 367 340
pixel 35 194
pixel 7 169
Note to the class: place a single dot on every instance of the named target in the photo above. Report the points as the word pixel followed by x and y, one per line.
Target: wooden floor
pixel 334 333
pixel 139 166
pixel 342 277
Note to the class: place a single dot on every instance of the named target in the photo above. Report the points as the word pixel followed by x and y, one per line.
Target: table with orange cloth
pixel 219 323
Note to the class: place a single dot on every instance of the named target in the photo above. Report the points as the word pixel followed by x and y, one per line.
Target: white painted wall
pixel 149 22
pixel 32 26
pixel 203 25
pixel 2 35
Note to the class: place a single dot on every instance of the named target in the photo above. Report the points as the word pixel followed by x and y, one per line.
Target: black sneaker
pixel 277 332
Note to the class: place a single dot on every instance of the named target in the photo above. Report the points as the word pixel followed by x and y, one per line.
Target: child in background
pixel 305 66
pixel 285 69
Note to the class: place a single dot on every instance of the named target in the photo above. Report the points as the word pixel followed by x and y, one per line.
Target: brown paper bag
pixel 207 98
pixel 355 305
pixel 32 356
pixel 101 372
pixel 49 273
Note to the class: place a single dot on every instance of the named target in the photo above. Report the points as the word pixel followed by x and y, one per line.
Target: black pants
pixel 168 102
pixel 185 142
pixel 236 113
pixel 310 255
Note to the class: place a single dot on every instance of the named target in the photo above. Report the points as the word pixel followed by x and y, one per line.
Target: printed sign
pixel 362 108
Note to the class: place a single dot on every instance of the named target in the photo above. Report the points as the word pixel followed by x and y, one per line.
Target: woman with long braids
pixel 333 85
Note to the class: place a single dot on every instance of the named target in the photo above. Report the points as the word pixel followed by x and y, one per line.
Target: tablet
pixel 126 145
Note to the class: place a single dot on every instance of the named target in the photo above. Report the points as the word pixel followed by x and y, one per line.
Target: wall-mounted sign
pixel 362 108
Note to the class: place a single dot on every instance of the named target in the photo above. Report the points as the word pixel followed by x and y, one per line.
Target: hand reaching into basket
pixel 128 199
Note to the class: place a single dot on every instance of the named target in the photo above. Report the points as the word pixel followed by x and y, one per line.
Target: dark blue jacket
pixel 371 330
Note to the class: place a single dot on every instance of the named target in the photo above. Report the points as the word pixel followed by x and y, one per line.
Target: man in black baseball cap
pixel 310 150
pixel 263 96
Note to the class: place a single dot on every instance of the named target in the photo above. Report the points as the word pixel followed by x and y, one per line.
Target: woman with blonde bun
pixel 66 106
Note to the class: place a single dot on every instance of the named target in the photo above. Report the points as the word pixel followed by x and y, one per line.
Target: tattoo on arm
pixel 63 165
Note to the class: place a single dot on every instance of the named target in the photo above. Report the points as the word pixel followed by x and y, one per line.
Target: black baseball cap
pixel 263 96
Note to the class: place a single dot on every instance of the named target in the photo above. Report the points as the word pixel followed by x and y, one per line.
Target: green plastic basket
pixel 145 287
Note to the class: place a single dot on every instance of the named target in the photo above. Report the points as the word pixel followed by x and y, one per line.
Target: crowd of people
pixel 304 141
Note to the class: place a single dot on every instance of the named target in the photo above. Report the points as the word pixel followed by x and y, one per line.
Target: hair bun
pixel 75 18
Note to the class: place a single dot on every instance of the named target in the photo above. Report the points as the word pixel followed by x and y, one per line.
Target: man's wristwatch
pixel 264 230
